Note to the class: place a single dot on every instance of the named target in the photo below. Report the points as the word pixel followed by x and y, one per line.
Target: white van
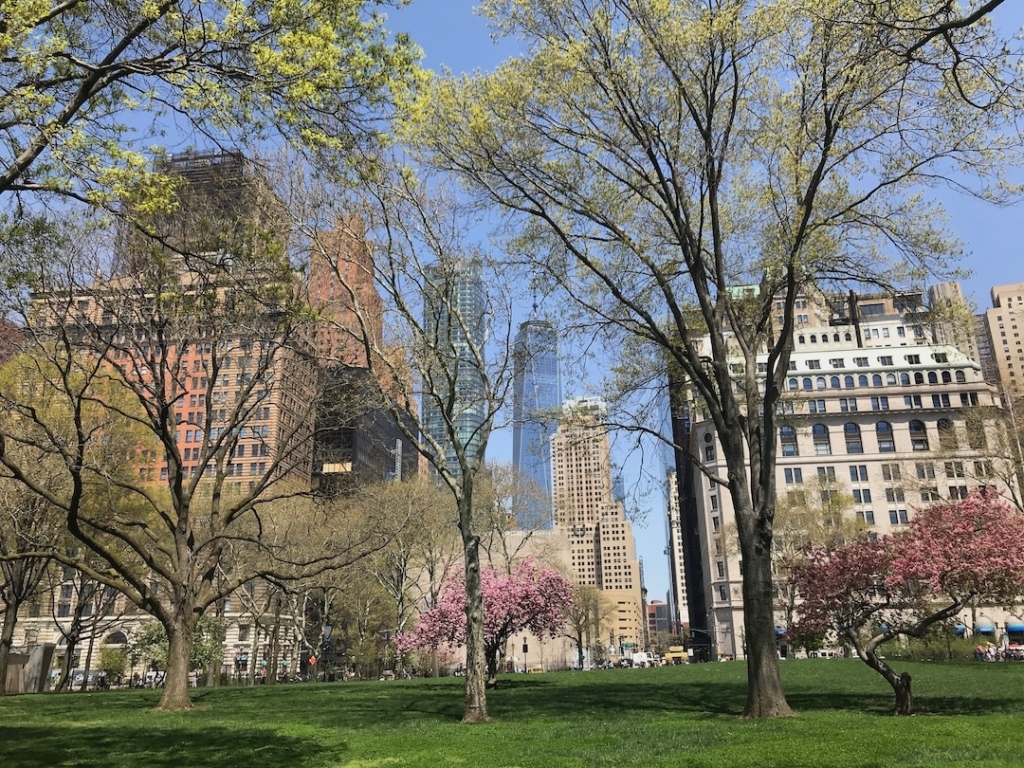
pixel 825 654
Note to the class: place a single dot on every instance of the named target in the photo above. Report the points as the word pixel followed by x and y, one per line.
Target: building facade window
pixel 883 431
pixel 851 433
pixel 822 443
pixel 918 435
pixel 787 438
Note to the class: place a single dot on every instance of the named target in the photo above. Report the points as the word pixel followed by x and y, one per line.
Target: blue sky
pixel 453 36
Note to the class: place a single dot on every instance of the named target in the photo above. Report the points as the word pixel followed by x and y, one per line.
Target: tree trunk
pixel 903 701
pixel 492 667
pixel 765 696
pixel 180 636
pixel 88 659
pixel 273 666
pixel 579 650
pixel 476 679
pixel 64 681
pixel 6 641
pixel 254 648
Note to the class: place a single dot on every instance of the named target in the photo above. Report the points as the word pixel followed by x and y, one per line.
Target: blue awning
pixel 780 631
pixel 1016 628
pixel 959 629
pixel 985 627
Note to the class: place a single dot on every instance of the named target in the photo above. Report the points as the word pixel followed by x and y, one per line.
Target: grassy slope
pixel 972 715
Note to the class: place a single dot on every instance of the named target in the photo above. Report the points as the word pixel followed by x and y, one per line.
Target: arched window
pixel 787 438
pixel 932 378
pixel 800 339
pixel 918 377
pixel 960 377
pixel 876 380
pixel 834 382
pixel 848 336
pixel 890 379
pixel 848 382
pixel 814 338
pixel 835 337
pixel 116 638
pixel 976 436
pixel 822 444
pixel 853 442
pixel 862 380
pixel 905 379
pixel 918 436
pixel 794 384
pixel 883 431
pixel 820 382
pixel 947 435
pixel 808 384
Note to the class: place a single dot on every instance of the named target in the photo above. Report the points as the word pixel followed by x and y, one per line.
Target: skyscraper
pixel 536 395
pixel 453 324
pixel 602 549
pixel 1002 321
pixel 341 289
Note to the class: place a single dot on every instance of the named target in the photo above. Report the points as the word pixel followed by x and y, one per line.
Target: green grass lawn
pixel 971 715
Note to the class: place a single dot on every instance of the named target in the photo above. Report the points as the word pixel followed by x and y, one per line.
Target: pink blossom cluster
pixel 531 598
pixel 950 554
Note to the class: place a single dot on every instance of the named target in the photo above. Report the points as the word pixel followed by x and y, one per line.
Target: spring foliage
pixel 869 592
pixel 531 599
pixel 87 89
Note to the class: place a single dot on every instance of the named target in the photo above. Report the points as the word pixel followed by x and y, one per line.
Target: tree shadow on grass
pixel 714 699
pixel 198 747
pixel 537 699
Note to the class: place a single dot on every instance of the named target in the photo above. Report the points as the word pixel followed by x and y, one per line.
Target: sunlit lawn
pixel 971 715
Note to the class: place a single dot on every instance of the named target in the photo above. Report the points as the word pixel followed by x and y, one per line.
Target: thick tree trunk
pixel 6 641
pixel 180 637
pixel 475 710
pixel 765 696
pixel 579 651
pixel 903 701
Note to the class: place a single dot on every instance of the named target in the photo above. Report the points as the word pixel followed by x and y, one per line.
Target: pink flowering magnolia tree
pixel 870 592
pixel 531 598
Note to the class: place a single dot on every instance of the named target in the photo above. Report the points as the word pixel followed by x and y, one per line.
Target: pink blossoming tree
pixel 870 592
pixel 529 599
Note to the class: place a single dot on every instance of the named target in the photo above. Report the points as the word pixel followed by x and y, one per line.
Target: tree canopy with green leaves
pixel 90 90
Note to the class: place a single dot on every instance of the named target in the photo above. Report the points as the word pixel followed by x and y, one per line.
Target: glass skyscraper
pixel 453 323
pixel 537 395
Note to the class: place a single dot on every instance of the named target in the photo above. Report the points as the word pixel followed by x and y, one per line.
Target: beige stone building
pixel 602 548
pixel 875 412
pixel 1004 323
